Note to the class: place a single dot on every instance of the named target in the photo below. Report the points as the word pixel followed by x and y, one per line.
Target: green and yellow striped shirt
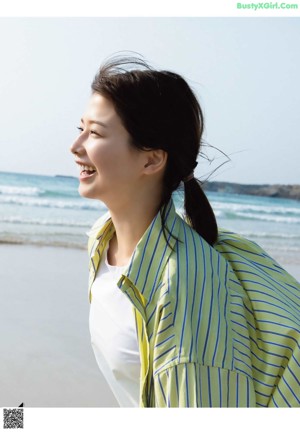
pixel 216 326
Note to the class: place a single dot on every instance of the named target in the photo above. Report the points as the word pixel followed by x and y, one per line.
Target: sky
pixel 244 70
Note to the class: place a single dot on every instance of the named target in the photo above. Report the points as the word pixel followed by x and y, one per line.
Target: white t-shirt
pixel 113 334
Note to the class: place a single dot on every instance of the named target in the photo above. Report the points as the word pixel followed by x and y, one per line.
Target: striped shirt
pixel 216 326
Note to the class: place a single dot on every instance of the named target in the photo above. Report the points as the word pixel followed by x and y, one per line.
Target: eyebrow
pixel 94 121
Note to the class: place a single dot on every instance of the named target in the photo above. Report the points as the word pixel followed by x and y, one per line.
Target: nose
pixel 76 146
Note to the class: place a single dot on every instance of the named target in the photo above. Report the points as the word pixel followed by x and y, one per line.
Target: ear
pixel 155 161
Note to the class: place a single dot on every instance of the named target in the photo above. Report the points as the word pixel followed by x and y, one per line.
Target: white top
pixel 113 334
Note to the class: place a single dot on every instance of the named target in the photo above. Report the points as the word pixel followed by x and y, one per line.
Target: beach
pixel 46 355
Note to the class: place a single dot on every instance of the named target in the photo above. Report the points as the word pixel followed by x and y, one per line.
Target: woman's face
pixel 105 148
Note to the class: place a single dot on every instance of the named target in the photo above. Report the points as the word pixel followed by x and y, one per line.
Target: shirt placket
pixel 98 248
pixel 139 301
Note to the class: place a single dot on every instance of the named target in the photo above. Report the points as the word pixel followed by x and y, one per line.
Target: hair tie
pixel 188 178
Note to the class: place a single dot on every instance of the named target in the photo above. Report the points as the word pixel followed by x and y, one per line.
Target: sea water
pixel 48 210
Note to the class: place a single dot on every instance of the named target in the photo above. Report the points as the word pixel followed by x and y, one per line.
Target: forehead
pixel 100 108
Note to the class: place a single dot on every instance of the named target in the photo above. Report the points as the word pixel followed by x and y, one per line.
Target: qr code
pixel 13 418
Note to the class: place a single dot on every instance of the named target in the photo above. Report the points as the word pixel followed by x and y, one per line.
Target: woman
pixel 183 314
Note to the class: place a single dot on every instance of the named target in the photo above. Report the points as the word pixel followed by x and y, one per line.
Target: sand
pixel 46 359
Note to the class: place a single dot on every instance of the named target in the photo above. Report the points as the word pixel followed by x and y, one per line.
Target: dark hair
pixel 160 111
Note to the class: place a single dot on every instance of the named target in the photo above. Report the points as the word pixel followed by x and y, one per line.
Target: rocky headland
pixel 275 190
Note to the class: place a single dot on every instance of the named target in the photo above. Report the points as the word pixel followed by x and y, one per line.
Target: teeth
pixel 86 168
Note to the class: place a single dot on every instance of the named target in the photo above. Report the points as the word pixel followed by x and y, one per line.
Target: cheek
pixel 102 156
pixel 113 163
pixel 114 158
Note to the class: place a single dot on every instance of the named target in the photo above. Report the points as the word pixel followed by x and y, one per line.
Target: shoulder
pixel 194 258
pixel 192 247
pixel 195 268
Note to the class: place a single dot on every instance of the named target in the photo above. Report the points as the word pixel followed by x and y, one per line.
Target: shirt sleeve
pixel 194 385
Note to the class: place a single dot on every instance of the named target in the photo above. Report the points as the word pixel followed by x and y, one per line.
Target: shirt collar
pixel 98 226
pixel 150 254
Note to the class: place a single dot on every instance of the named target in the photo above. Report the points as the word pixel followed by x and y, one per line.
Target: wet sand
pixel 46 359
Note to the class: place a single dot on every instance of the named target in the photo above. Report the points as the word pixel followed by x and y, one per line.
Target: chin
pixel 87 192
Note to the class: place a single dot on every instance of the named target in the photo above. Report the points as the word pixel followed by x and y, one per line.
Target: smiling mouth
pixel 86 170
pixel 85 174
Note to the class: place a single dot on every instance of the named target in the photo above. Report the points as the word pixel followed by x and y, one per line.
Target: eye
pixel 81 130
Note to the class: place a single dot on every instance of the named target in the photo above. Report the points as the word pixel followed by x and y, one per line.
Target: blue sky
pixel 244 70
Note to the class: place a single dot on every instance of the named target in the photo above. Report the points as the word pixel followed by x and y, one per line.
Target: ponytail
pixel 199 213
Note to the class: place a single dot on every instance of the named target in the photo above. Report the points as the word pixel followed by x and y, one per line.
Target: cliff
pixel 276 190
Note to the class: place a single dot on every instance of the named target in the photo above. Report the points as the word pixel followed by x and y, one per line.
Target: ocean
pixel 48 210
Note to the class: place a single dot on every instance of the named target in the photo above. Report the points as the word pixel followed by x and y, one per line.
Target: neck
pixel 130 224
